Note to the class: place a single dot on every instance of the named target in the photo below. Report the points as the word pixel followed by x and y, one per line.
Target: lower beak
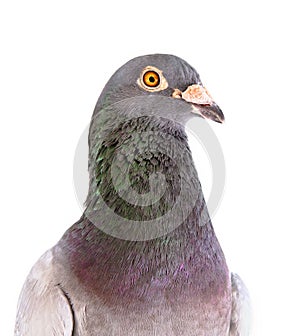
pixel 212 112
pixel 202 102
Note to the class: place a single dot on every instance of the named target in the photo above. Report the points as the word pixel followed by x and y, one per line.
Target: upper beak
pixel 202 102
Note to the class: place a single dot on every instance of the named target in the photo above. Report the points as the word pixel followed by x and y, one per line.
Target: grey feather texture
pixel 241 313
pixel 44 309
pixel 144 258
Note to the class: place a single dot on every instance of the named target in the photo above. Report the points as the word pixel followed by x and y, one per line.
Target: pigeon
pixel 143 259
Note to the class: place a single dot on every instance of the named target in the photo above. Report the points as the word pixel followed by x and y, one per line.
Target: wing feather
pixel 240 324
pixel 44 308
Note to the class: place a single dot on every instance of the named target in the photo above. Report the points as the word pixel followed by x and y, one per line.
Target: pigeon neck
pixel 142 174
pixel 181 253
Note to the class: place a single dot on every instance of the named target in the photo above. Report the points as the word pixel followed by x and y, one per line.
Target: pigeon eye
pixel 151 79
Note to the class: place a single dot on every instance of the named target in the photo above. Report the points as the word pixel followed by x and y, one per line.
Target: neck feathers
pixel 146 198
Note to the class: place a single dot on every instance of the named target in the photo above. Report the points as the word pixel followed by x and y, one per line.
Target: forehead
pixel 174 68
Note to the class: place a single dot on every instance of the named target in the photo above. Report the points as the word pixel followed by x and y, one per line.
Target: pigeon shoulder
pixel 44 308
pixel 241 314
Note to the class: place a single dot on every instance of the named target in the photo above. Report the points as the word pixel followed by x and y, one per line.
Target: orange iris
pixel 151 79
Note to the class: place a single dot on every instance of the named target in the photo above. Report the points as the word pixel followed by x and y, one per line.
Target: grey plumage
pixel 241 315
pixel 170 280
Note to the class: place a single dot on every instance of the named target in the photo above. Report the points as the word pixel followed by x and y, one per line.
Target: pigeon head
pixel 161 76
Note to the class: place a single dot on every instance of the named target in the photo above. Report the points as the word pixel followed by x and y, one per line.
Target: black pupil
pixel 152 79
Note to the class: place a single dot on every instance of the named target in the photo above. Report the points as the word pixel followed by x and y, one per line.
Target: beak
pixel 202 102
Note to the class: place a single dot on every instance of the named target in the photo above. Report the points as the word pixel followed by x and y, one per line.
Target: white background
pixel 55 59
